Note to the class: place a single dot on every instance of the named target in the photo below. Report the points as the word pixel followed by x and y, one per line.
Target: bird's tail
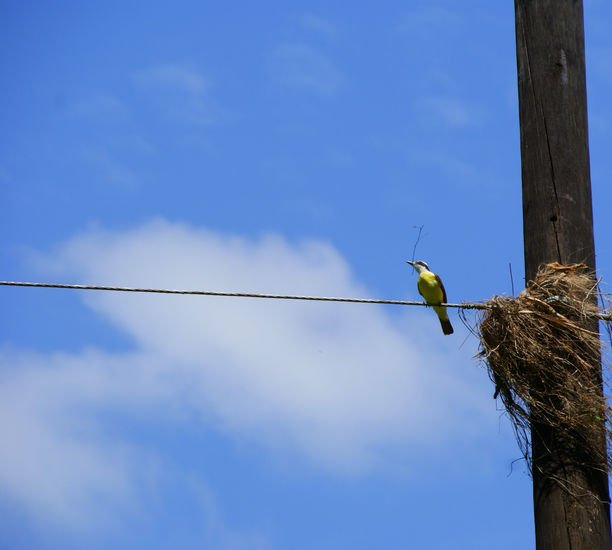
pixel 447 328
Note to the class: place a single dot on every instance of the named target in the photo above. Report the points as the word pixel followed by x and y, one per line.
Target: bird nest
pixel 542 350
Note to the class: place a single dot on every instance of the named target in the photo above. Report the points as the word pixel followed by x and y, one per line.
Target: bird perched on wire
pixel 431 288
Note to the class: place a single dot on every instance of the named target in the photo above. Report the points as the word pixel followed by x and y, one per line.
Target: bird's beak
pixel 409 262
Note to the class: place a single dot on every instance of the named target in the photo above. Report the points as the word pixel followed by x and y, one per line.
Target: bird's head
pixel 419 266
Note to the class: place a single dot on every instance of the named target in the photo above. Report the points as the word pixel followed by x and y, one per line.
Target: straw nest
pixel 542 350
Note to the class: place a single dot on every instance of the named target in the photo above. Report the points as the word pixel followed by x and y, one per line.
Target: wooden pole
pixel 571 501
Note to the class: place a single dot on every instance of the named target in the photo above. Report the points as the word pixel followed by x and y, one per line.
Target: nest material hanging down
pixel 542 350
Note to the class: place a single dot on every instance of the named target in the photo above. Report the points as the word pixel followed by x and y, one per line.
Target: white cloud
pixel 344 387
pixel 52 461
pixel 302 67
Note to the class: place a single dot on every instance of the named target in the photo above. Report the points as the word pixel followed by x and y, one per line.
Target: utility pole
pixel 571 501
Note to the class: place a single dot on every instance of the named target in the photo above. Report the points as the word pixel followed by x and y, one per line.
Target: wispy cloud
pixel 106 139
pixel 106 168
pixel 451 168
pixel 173 76
pixel 449 111
pixel 101 107
pixel 215 532
pixel 428 19
pixel 346 389
pixel 302 67
pixel 179 92
pixel 318 25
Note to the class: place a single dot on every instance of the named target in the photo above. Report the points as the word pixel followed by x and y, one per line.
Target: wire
pixel 462 306
pixel 238 294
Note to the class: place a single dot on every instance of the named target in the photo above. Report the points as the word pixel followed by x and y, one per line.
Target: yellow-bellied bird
pixel 431 288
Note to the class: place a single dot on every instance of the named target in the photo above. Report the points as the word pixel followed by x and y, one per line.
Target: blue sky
pixel 267 147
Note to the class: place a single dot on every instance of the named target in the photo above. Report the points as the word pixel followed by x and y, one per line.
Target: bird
pixel 431 288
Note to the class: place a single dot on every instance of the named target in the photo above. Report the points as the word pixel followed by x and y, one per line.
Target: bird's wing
pixel 442 287
pixel 419 289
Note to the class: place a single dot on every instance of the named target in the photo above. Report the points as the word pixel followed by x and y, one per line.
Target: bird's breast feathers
pixel 431 288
